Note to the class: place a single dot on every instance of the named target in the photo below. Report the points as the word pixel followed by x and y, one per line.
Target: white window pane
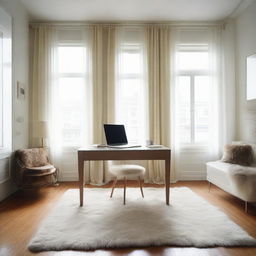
pixel 130 110
pixel 131 94
pixel 202 98
pixel 71 89
pixel 130 62
pixel 183 109
pixel 71 59
pixel 193 60
pixel 71 92
pixel 5 89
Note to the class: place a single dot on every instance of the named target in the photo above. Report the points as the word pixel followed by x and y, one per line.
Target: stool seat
pixel 127 170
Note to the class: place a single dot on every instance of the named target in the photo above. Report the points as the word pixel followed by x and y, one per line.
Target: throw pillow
pixel 238 154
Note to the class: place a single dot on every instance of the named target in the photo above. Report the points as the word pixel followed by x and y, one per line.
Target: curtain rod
pixel 129 23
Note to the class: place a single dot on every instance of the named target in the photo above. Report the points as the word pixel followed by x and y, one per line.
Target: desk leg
pixel 81 179
pixel 167 180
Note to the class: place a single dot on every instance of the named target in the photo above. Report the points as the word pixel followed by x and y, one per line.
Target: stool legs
pixel 209 186
pixel 246 207
pixel 125 185
pixel 113 187
pixel 124 188
pixel 141 190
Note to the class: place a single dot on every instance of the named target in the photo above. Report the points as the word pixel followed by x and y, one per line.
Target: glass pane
pixel 202 98
pixel 193 60
pixel 183 109
pixel 71 91
pixel 131 109
pixel 130 62
pixel 71 59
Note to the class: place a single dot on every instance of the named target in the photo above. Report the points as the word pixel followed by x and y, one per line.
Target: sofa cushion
pixel 232 169
pixel 238 154
pixel 251 144
pixel 236 179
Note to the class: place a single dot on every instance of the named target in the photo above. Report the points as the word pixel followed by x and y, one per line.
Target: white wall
pixel 245 45
pixel 20 73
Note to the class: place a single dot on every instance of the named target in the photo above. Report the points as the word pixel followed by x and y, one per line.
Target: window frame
pixel 6 85
pixel 192 73
pixel 84 75
pixel 131 47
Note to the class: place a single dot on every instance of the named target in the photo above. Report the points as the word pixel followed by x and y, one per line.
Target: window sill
pixel 5 154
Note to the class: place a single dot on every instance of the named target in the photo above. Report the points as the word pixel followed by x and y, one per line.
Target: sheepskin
pixel 238 154
pixel 104 222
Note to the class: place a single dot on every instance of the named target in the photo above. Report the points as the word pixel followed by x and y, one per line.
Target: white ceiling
pixel 137 10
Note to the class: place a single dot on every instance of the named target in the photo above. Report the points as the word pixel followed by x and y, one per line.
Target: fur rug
pixel 105 222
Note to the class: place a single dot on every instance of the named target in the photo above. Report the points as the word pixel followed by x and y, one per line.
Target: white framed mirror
pixel 251 77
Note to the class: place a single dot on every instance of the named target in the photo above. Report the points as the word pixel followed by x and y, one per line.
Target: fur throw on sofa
pixel 238 154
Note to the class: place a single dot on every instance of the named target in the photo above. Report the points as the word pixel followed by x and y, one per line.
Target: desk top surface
pixel 142 148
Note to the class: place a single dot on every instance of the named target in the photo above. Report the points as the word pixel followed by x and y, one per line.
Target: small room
pixel 127 127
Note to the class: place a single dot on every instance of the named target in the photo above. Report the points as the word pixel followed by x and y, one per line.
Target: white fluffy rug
pixel 106 223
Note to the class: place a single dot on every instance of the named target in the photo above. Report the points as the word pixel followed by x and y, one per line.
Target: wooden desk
pixel 141 153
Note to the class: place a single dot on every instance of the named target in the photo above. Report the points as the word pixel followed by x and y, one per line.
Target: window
pixel 131 93
pixel 193 93
pixel 5 84
pixel 72 79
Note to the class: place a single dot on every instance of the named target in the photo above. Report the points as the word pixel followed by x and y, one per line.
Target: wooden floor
pixel 21 214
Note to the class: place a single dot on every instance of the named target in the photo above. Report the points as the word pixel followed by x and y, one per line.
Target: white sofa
pixel 237 180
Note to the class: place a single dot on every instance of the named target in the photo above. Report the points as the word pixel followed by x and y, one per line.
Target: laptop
pixel 116 136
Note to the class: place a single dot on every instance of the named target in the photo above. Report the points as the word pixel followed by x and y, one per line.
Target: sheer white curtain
pixel 200 99
pixel 73 91
pixel 42 50
pixel 228 108
pixel 61 92
pixel 143 89
pixel 131 84
pixel 43 62
pixel 131 101
pixel 72 104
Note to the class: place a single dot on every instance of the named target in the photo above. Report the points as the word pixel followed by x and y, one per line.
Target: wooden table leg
pixel 167 180
pixel 81 178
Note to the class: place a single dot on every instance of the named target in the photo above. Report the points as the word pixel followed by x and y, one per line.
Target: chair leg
pixel 140 182
pixel 113 186
pixel 124 188
pixel 246 207
pixel 55 175
pixel 209 186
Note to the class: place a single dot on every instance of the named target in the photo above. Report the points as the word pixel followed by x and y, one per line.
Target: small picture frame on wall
pixel 21 91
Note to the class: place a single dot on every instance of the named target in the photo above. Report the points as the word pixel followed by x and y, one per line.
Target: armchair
pixel 33 168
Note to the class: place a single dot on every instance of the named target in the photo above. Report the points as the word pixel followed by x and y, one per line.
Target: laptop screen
pixel 115 134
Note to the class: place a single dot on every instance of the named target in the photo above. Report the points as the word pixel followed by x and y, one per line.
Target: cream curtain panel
pixel 158 53
pixel 103 70
pixel 46 96
pixel 41 40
